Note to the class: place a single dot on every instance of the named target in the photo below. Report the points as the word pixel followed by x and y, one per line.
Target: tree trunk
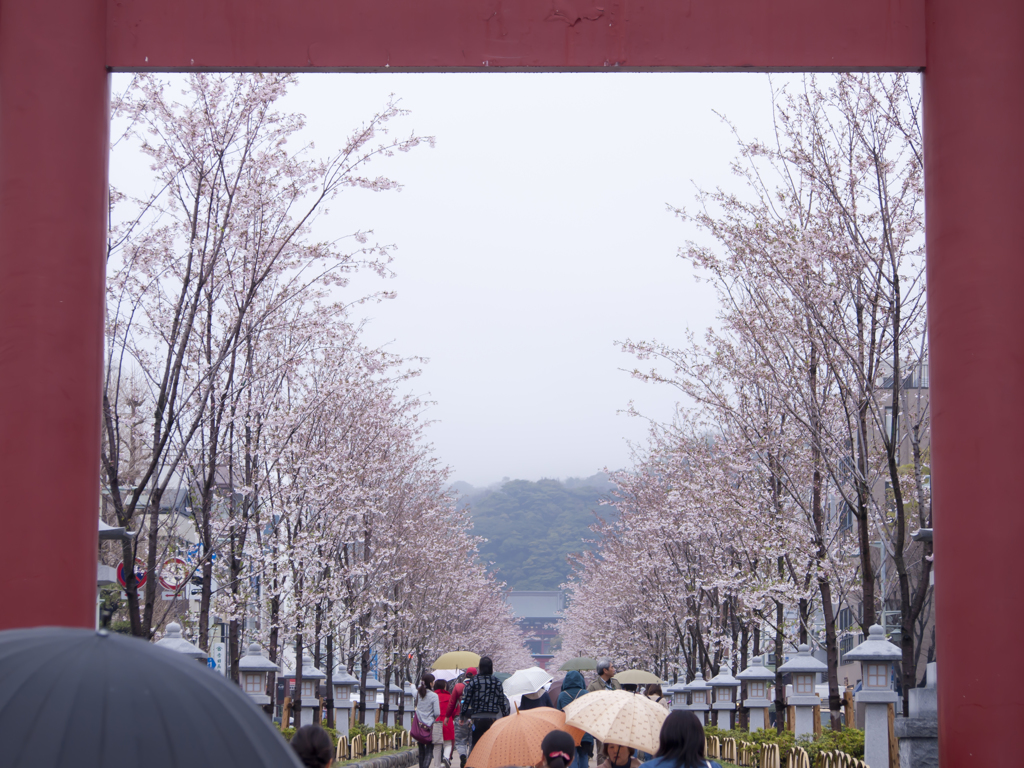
pixel 151 557
pixel 329 699
pixel 297 697
pixel 780 688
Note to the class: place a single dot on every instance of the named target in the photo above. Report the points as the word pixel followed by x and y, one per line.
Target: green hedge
pixel 289 732
pixel 848 740
pixel 361 729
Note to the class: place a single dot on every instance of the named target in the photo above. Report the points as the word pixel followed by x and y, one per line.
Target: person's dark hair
pixel 486 665
pixel 654 690
pixel 682 739
pixel 313 746
pixel 426 683
pixel 440 685
pixel 558 748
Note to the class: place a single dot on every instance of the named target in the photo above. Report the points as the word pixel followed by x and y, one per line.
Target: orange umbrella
pixel 516 739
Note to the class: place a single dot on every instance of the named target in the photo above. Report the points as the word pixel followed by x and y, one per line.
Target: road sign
pixel 173 573
pixel 140 573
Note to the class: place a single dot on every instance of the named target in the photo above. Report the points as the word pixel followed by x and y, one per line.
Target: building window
pixel 844 620
pixel 252 683
pixel 307 689
pixel 755 689
pixel 723 695
pixel 699 697
pixel 846 517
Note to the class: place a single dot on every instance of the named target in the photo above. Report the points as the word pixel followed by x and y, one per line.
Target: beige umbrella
pixel 457 660
pixel 636 677
pixel 619 717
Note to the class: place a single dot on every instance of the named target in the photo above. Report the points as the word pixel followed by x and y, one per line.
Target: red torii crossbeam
pixel 55 56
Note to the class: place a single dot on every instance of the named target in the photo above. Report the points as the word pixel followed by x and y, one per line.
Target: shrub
pixel 359 729
pixel 849 740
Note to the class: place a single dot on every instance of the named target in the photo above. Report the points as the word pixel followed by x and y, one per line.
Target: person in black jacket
pixel 483 700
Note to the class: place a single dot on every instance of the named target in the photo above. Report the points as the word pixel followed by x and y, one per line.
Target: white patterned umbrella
pixel 525 681
pixel 619 717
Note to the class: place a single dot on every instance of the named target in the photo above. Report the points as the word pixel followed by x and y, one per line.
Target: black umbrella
pixel 86 699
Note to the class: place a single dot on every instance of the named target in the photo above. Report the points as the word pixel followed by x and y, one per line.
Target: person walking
pixel 313 746
pixel 572 689
pixel 484 700
pixel 681 743
pixel 604 682
pixel 462 726
pixel 556 750
pixel 536 699
pixel 655 694
pixel 617 756
pixel 446 726
pixel 428 710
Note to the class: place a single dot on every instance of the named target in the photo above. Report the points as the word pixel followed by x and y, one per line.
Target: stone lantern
pixel 759 680
pixel 311 676
pixel 698 691
pixel 374 687
pixel 876 656
pixel 394 701
pixel 723 689
pixel 173 641
pixel 252 674
pixel 409 694
pixel 805 669
pixel 677 694
pixel 344 684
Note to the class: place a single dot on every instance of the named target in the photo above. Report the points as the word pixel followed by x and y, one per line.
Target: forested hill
pixel 531 528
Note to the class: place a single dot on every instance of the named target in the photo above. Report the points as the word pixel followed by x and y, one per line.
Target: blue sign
pixel 210 662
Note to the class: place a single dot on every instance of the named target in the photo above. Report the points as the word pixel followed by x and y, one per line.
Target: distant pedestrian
pixel 484 700
pixel 604 681
pixel 444 727
pixel 572 689
pixel 313 746
pixel 462 726
pixel 681 743
pixel 533 700
pixel 654 693
pixel 428 710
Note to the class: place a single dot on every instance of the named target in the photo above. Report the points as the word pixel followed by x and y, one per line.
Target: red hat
pixel 470 671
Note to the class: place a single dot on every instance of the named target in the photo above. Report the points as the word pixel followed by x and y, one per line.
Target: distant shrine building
pixel 537 613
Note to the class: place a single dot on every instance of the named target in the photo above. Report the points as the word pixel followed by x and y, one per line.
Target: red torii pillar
pixel 54 60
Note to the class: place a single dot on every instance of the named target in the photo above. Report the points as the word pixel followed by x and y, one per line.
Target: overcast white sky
pixel 532 238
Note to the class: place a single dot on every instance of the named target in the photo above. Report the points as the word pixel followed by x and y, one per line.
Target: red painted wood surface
pixel 53 200
pixel 974 175
pixel 518 34
pixel 53 102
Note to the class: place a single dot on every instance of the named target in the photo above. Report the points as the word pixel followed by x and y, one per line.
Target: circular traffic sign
pixel 140 573
pixel 174 573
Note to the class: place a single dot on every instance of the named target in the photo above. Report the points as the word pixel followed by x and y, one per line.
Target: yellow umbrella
pixel 636 677
pixel 457 660
pixel 619 717
pixel 516 739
